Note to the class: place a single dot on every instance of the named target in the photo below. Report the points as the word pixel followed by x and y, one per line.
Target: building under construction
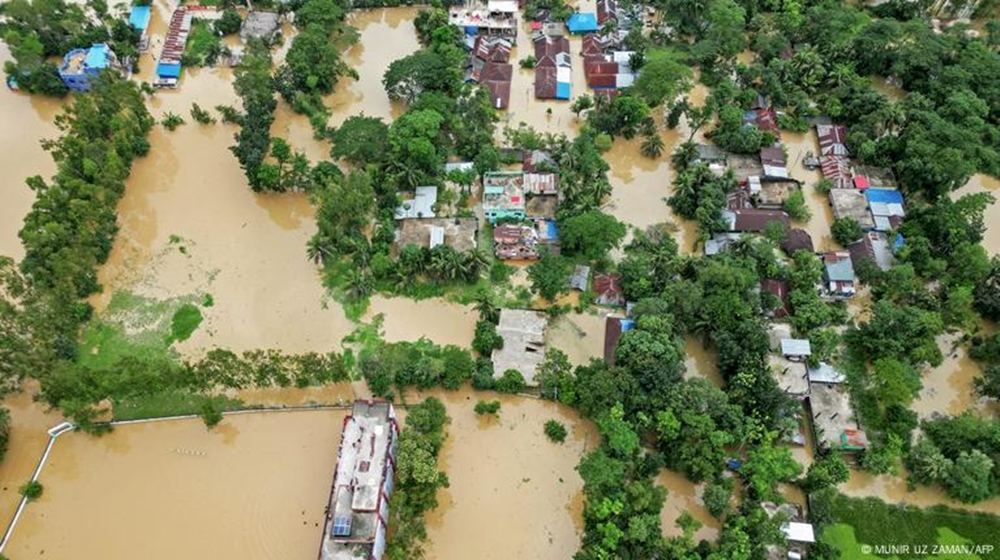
pixel 357 515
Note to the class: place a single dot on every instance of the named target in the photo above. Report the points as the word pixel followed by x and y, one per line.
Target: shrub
pixel 229 23
pixel 210 413
pixel 528 62
pixel 556 431
pixel 201 115
pixel 32 490
pixel 846 231
pixel 796 207
pixel 486 338
pixel 511 382
pixel 171 121
pixel 487 407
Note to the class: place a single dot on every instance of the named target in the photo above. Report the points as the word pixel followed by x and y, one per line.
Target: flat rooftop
pixel 851 203
pixel 523 334
pixel 457 233
pixel 831 413
pixel 363 468
pixel 503 190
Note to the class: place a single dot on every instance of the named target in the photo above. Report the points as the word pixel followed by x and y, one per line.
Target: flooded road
pixel 26 121
pixel 797 145
pixel 513 493
pixel 892 489
pixel 173 489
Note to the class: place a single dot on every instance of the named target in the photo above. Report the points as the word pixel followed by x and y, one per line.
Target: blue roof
pixel 168 70
pixel 582 23
pixel 551 230
pixel 139 17
pixel 97 56
pixel 899 243
pixel 562 90
pixel 627 324
pixel 888 196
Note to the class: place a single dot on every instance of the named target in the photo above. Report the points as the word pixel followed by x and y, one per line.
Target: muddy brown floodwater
pixel 798 144
pixel 173 489
pixel 26 121
pixel 948 389
pixel 580 335
pixel 684 495
pixel 984 183
pixel 441 322
pixel 513 493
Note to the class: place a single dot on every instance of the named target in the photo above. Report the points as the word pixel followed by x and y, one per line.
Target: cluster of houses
pixel 521 206
pixel 489 66
pixel 553 66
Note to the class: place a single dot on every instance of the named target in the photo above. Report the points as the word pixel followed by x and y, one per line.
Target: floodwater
pixel 29 422
pixel 797 145
pixel 579 335
pixel 892 489
pixel 948 388
pixel 26 121
pixel 439 321
pixel 513 493
pixel 984 183
pixel 888 88
pixel 173 489
pixel 700 361
pixel 684 495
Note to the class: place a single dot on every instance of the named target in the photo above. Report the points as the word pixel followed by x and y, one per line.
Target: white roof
pixel 825 373
pixel 795 347
pixel 798 532
pixel 437 236
pixel 502 5
pixel 563 75
pixel 887 209
pixel 776 171
pixel 420 206
pixel 459 166
pixel 624 80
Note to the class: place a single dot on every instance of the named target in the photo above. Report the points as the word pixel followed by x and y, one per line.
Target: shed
pixel 795 347
pixel 709 153
pixel 779 289
pixel 873 246
pixel 795 531
pixel 138 18
pixel 420 206
pixel 825 373
pixel 582 22
pixel 580 278
pixel 721 242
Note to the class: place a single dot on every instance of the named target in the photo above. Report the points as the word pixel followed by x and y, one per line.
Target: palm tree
pixel 652 146
pixel 475 260
pixel 684 155
pixel 487 307
pixel 318 250
pixel 360 282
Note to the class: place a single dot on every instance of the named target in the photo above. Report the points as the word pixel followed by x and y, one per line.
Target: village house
pixel 851 203
pixel 168 66
pixel 580 279
pixel 779 290
pixel 80 66
pixel 537 161
pixel 799 535
pixel 358 511
pixel 764 120
pixel 523 334
pixel 611 71
pixel 259 25
pixel 420 205
pixel 886 207
pixel 614 328
pixel 796 349
pixel 579 23
pixel 552 67
pixel 833 419
pixel 789 373
pixel 753 220
pixel 838 274
pixel 489 66
pixel 494 17
pixel 874 247
pixel 138 18
pixel 837 169
pixel 721 242
pixel 867 176
pixel 516 242
pixel 608 287
pixel 710 155
pixel 797 240
pixel 503 195
pixel 832 140
pixel 458 233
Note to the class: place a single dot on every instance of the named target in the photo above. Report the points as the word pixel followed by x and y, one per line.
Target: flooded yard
pixel 441 322
pixel 580 335
pixel 684 495
pixel 948 389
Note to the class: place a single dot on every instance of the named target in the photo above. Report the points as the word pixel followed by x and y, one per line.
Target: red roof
pixel 602 80
pixel 780 290
pixel 612 334
pixel 838 170
pixel 861 182
pixel 499 93
pixel 593 45
pixel 832 139
pixel 550 46
pixel 756 219
pixel 608 289
pixel 593 67
pixel 766 120
pixel 545 82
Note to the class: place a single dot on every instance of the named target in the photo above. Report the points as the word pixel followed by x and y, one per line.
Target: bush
pixel 171 121
pixel 32 490
pixel 486 339
pixel 556 431
pixel 487 407
pixel 796 207
pixel 201 115
pixel 528 62
pixel 846 231
pixel 229 114
pixel 511 382
pixel 229 23
pixel 210 413
pixel 717 495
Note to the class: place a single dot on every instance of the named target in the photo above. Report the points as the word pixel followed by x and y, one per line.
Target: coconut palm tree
pixel 318 250
pixel 476 261
pixel 652 146
pixel 684 155
pixel 486 307
pixel 360 283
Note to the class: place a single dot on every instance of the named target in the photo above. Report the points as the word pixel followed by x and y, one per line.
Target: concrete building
pixel 420 205
pixel 168 67
pixel 503 195
pixel 358 511
pixel 457 233
pixel 494 17
pixel 80 66
pixel 851 203
pixel 259 25
pixel 523 334
pixel 833 418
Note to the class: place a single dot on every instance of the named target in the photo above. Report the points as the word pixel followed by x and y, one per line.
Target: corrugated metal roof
pixel 888 196
pixel 795 347
pixel 825 373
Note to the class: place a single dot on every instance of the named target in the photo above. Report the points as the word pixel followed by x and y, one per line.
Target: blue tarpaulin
pixel 582 23
pixel 627 325
pixel 139 17
pixel 551 230
pixel 562 90
pixel 887 196
pixel 168 70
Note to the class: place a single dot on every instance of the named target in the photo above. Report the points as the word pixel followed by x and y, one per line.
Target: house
pixel 609 71
pixel 259 25
pixel 489 66
pixel 357 513
pixel 721 242
pixel 138 18
pixel 875 177
pixel 534 161
pixel 753 220
pixel 710 154
pixel 552 67
pixel 503 195
pixel 580 278
pixel 496 78
pixel 421 205
pixel 851 203
pixel 516 242
pixel 772 193
pixel 774 161
pixel 168 66
pixel 797 240
pixel 874 246
pixel 838 274
pixel 614 328
pixel 885 205
pixel 80 66
pixel 838 170
pixel 798 534
pixel 833 419
pixel 790 376
pixel 458 233
pixel 796 349
pixel 778 289
pixel 494 17
pixel 541 184
pixel 594 46
pixel 765 120
pixel 607 10
pixel 582 22
pixel 608 288
pixel 832 140
pixel 744 166
pixel 523 334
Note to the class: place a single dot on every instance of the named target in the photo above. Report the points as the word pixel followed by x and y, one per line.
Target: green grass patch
pixel 186 319
pixel 203 44
pixel 170 403
pixel 869 521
